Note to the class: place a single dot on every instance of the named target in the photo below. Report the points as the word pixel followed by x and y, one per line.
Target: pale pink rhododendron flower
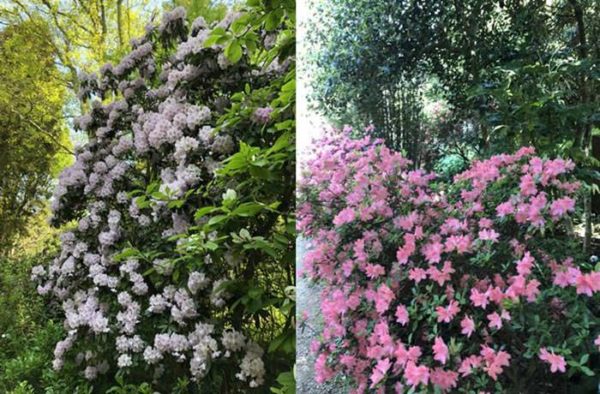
pixel 130 304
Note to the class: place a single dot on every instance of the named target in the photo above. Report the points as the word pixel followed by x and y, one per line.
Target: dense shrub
pixel 176 276
pixel 29 330
pixel 474 285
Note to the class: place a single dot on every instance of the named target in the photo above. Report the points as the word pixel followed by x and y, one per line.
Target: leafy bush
pixel 177 275
pixel 29 329
pixel 475 285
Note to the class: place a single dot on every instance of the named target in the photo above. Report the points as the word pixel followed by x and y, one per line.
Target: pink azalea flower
pixel 563 279
pixel 495 320
pixel 346 215
pixel 322 371
pixel 402 315
pixel 504 209
pixel 479 299
pixel 527 185
pixel 561 206
pixel 489 235
pixel 597 342
pixel 524 265
pixel 383 298
pixel 419 232
pixel 494 362
pixel 485 223
pixel 407 222
pixel 404 355
pixel 468 326
pixel 374 270
pixel 447 314
pixel 532 290
pixel 440 350
pixel 588 284
pixel 445 380
pixel 359 251
pixel 557 362
pixel 497 295
pixel 404 253
pixel 460 243
pixel 379 371
pixel 416 375
pixel 467 365
pixel 433 252
pixel 399 388
pixel 417 274
pixel 437 275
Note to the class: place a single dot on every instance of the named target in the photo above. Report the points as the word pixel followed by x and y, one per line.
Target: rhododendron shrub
pixel 177 269
pixel 473 286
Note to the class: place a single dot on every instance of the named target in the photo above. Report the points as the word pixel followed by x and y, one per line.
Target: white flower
pixel 124 361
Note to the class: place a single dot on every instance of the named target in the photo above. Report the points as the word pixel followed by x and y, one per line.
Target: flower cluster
pixel 130 298
pixel 431 285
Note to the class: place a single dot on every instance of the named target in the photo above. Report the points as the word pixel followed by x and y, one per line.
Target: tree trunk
pixel 120 22
pixel 584 134
pixel 596 155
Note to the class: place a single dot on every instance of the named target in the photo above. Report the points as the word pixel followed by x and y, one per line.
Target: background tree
pixel 34 142
pixel 450 81
pixel 210 10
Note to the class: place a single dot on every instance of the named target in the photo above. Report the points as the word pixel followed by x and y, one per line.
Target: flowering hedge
pixel 177 272
pixel 464 287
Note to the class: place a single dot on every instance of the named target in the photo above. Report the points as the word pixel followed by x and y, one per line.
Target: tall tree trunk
pixel 120 22
pixel 596 155
pixel 584 134
pixel 103 22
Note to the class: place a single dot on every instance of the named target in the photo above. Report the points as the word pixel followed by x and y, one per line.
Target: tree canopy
pixel 448 81
pixel 34 140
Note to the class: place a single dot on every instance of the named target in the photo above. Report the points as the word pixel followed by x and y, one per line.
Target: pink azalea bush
pixel 462 287
pixel 173 247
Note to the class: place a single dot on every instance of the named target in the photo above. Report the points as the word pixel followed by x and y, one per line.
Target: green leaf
pixel 204 211
pixel 587 371
pixel 247 209
pixel 233 51
pixel 273 20
pixel 216 219
pixel 276 343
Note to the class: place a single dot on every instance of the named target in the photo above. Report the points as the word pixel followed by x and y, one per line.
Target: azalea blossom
pixel 440 350
pixel 445 380
pixel 402 315
pixel 557 362
pixel 416 375
pixel 446 314
pixel 345 216
pixel 468 326
pixel 479 299
pixel 489 235
pixel 379 371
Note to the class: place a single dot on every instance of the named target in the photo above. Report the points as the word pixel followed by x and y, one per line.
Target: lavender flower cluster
pixel 153 131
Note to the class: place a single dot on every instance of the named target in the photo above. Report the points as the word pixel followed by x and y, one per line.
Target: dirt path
pixel 307 296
